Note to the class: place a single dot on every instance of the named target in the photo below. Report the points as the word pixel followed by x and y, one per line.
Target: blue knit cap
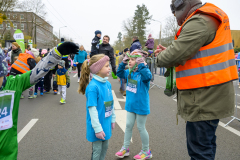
pixel 3 65
pixel 97 32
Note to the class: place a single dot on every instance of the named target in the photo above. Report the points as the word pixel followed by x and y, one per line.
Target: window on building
pixel 22 16
pixel 8 16
pixel 15 26
pixel 22 27
pixel 15 16
pixel 8 26
pixel 1 26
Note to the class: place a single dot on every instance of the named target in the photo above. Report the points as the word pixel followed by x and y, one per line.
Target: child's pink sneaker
pixel 143 155
pixel 123 153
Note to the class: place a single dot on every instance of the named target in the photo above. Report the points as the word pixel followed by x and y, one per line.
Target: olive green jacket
pixel 205 103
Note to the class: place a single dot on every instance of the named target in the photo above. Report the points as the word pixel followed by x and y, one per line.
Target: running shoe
pixel 44 91
pixel 30 96
pixel 41 94
pixel 62 101
pixel 123 153
pixel 35 95
pixel 78 80
pixel 22 96
pixel 143 155
pixel 55 92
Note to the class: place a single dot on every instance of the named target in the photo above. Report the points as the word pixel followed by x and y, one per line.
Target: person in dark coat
pixel 136 44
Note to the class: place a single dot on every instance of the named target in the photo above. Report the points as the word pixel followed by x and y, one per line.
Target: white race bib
pixel 6 108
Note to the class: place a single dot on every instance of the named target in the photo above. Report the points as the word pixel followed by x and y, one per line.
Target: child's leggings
pixel 63 90
pixel 99 150
pixel 39 84
pixel 141 121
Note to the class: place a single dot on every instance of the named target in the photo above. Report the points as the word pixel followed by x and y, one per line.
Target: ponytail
pixel 84 80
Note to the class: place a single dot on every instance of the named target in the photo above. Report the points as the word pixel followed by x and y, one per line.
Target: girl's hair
pixel 85 72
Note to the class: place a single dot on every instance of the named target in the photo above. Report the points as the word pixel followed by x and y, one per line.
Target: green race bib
pixel 6 108
pixel 132 86
pixel 108 108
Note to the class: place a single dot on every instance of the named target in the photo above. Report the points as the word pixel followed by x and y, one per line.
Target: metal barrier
pixel 236 98
pixel 151 64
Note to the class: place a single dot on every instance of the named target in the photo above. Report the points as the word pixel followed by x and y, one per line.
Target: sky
pixel 83 17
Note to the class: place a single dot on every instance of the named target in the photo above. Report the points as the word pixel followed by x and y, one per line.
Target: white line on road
pixel 116 102
pixel 75 75
pixel 121 115
pixel 227 127
pixel 230 128
pixel 26 129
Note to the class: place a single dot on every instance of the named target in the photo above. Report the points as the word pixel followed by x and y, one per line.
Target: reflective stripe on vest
pixel 64 56
pixel 21 63
pixel 214 63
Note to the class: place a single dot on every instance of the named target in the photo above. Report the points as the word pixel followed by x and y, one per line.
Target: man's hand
pixel 160 49
pixel 100 135
pixel 53 75
pixel 68 48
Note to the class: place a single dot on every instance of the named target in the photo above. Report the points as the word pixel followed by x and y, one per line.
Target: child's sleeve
pixel 146 75
pixel 94 119
pixel 68 77
pixel 121 72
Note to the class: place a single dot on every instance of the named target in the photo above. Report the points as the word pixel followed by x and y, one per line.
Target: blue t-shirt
pixel 80 57
pixel 97 94
pixel 138 102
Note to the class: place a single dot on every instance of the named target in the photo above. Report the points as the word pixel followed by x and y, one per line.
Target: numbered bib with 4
pixel 6 108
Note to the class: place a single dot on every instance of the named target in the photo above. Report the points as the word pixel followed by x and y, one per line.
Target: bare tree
pixel 7 5
pixel 129 32
pixel 170 29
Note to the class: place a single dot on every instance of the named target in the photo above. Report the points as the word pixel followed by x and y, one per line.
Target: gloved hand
pixel 113 125
pixel 100 135
pixel 55 83
pixel 125 59
pixel 68 85
pixel 67 48
pixel 140 60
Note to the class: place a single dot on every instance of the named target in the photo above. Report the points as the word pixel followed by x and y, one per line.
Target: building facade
pixel 32 26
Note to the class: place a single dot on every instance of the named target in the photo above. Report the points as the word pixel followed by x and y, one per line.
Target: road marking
pixel 75 75
pixel 227 127
pixel 121 115
pixel 122 100
pixel 26 129
pixel 116 102
pixel 230 129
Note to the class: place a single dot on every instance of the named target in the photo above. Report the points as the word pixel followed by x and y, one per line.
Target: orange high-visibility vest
pixel 21 63
pixel 214 63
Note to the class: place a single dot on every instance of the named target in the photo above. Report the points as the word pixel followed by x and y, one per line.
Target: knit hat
pixel 34 52
pixel 96 67
pixel 125 50
pixel 44 51
pixel 97 32
pixel 62 63
pixel 62 39
pixel 149 36
pixel 16 44
pixel 139 52
pixel 3 65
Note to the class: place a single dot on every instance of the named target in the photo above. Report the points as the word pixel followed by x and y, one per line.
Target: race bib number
pixel 132 86
pixel 108 108
pixel 6 108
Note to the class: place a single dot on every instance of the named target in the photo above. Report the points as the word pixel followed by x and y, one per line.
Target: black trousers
pixel 79 65
pixel 47 81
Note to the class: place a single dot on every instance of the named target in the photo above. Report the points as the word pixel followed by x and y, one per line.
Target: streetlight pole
pixel 160 33
pixel 59 32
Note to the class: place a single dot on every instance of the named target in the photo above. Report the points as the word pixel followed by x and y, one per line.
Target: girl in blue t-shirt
pixel 100 111
pixel 137 101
